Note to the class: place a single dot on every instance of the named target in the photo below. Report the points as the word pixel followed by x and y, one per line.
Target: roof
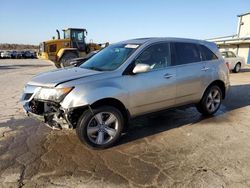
pixel 158 39
pixel 75 29
pixel 236 40
pixel 244 14
pixel 222 37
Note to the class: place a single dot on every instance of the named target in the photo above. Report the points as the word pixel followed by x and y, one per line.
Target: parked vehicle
pixel 78 61
pixel 19 55
pixel 233 61
pixel 126 80
pixel 72 45
pixel 28 55
pixel 13 54
pixel 33 54
pixel 6 54
pixel 16 54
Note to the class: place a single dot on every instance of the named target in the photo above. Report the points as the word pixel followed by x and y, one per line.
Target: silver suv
pixel 125 80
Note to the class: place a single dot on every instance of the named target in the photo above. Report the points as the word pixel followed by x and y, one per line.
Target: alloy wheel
pixel 102 128
pixel 213 100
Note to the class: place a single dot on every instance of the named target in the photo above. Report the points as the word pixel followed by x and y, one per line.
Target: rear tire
pixel 211 101
pixel 237 68
pixel 100 128
pixel 65 60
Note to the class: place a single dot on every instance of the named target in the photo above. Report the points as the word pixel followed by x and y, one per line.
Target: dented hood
pixel 56 77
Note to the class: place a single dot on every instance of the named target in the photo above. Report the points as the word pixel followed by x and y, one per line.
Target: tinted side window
pixel 156 56
pixel 186 53
pixel 207 54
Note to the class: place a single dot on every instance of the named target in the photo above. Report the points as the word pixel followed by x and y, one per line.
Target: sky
pixel 34 21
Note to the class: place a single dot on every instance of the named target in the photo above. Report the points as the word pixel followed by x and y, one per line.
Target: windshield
pixel 110 58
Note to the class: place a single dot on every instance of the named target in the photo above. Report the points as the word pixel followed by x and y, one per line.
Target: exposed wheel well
pixel 221 85
pixel 115 103
pixel 76 113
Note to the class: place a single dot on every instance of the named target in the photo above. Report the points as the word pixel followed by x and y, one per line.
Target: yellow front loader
pixel 72 45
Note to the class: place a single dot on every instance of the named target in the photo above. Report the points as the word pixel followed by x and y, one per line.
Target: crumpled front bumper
pixel 50 114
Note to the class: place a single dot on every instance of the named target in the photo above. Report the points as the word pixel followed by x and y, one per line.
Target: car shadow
pixel 245 70
pixel 174 118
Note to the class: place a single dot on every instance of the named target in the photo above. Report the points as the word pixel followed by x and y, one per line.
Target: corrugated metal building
pixel 240 42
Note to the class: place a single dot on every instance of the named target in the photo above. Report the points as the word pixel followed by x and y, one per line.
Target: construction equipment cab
pixel 73 45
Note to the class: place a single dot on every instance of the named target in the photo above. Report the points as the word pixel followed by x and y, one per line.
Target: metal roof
pixel 244 14
pixel 74 28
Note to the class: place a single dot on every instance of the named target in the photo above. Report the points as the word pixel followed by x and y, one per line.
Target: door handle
pixel 205 69
pixel 168 75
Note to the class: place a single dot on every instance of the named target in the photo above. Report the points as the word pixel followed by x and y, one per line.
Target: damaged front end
pixel 47 111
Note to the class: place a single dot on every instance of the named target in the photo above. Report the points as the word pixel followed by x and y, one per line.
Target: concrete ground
pixel 178 148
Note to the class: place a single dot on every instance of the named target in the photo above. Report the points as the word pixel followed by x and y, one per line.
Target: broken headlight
pixel 52 94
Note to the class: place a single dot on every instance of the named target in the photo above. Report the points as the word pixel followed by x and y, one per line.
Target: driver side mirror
pixel 141 68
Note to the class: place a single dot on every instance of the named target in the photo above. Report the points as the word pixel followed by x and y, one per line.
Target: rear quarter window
pixel 185 53
pixel 207 54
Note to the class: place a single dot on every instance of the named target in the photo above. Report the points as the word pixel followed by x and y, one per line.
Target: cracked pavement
pixel 176 148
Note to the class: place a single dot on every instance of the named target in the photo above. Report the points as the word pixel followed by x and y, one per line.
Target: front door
pixel 156 89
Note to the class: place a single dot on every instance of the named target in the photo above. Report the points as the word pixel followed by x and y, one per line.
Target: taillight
pixel 227 65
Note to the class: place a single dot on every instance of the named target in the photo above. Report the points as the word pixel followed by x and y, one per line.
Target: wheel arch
pixel 77 112
pixel 220 84
pixel 114 103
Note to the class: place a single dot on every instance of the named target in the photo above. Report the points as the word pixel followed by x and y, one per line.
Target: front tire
pixel 100 128
pixel 211 101
pixel 237 68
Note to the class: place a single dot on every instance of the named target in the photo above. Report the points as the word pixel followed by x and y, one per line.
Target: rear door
pixel 210 64
pixel 190 71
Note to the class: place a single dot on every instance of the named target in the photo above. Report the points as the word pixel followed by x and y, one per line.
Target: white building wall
pixel 244 52
pixel 244 26
pixel 228 48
